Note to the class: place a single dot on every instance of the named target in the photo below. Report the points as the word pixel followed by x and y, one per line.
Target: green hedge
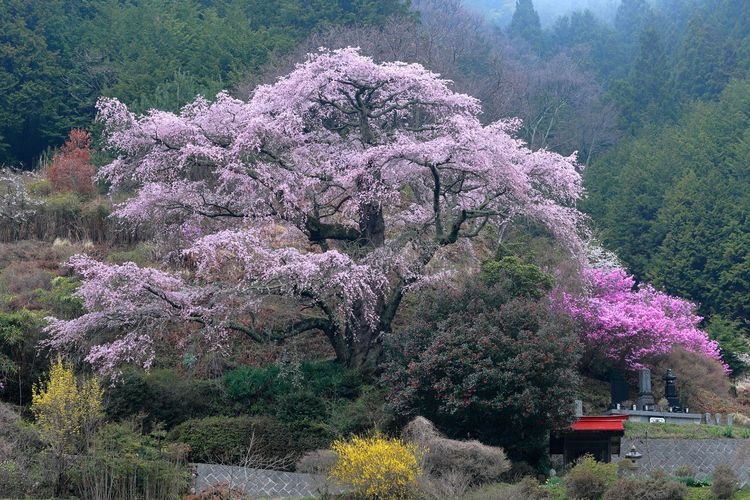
pixel 291 396
pixel 164 396
pixel 227 439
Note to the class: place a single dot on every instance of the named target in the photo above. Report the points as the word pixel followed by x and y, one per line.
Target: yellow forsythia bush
pixel 377 467
pixel 65 410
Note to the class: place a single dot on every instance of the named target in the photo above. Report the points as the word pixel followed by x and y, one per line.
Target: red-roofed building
pixel 595 435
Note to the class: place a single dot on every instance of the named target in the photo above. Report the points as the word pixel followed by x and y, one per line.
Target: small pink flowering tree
pixel 336 190
pixel 630 328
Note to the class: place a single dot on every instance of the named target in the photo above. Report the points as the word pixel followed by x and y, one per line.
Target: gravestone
pixel 578 407
pixel 670 391
pixel 646 400
pixel 618 389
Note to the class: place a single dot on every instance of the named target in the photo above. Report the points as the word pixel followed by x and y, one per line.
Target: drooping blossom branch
pixel 338 188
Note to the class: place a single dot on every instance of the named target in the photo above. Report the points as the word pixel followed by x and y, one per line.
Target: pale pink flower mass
pixel 335 187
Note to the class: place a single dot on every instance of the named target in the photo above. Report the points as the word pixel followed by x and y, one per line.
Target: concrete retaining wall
pixel 258 483
pixel 700 454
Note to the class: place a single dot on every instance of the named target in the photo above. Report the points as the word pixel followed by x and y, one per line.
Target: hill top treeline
pixel 57 57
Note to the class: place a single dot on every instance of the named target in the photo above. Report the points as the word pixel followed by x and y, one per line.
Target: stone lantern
pixel 631 460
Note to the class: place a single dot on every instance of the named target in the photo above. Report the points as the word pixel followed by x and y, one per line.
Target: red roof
pixel 600 423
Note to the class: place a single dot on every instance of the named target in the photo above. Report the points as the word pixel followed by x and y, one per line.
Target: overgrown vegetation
pixel 642 430
pixel 448 272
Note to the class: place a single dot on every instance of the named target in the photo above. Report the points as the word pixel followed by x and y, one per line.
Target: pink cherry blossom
pixel 336 189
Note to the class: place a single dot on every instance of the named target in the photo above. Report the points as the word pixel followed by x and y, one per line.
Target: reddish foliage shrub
pixel 71 169
pixel 702 382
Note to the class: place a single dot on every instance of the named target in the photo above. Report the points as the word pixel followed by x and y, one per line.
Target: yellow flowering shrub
pixel 65 410
pixel 377 467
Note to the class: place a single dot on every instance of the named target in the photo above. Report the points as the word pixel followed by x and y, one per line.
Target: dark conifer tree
pixel 645 97
pixel 526 25
pixel 704 63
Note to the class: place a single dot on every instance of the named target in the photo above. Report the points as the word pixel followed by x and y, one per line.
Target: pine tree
pixel 526 25
pixel 646 96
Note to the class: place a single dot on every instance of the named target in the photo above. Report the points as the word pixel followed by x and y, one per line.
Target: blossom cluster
pixel 336 186
pixel 631 326
pixel 377 467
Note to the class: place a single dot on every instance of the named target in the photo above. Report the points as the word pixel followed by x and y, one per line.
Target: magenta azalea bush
pixel 631 326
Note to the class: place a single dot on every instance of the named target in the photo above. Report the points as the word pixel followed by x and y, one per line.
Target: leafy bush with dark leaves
pixel 231 439
pixel 267 390
pixel 482 362
pixel 164 396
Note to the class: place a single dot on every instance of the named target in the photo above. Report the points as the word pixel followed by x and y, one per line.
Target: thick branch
pixel 391 306
pixel 301 326
pixel 318 231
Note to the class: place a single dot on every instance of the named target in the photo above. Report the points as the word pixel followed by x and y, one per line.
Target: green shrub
pixel 123 464
pixel 164 396
pixel 654 488
pixel 589 479
pixel 308 436
pixel 361 415
pixel 141 254
pixel 40 187
pixel 522 279
pixel 555 485
pixel 300 407
pixel 228 439
pixel 257 388
pixel 724 482
pixel 59 300
pixel 248 386
pixel 291 397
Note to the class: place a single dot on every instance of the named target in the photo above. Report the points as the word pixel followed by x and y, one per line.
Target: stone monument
pixel 646 400
pixel 670 391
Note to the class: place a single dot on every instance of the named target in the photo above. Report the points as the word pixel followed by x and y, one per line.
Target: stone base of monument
pixel 658 416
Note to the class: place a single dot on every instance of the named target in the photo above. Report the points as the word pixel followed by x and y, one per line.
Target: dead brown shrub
pixel 702 383
pixel 316 462
pixel 477 461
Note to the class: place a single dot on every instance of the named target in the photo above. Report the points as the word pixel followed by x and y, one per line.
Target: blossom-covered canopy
pixel 633 327
pixel 336 188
